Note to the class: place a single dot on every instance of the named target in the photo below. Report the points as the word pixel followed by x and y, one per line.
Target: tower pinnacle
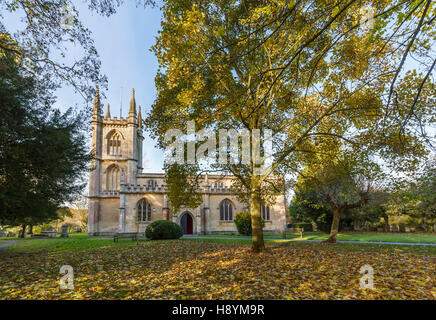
pixel 96 108
pixel 132 111
pixel 139 118
pixel 108 112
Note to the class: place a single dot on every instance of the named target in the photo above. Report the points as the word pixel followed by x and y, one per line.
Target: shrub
pixel 163 229
pixel 243 223
pixel 307 227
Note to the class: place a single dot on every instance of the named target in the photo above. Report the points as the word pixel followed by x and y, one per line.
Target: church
pixel 123 198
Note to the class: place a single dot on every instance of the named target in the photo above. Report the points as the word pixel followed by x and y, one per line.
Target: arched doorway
pixel 186 222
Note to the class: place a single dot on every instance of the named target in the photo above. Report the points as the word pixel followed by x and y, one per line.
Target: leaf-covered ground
pixel 208 270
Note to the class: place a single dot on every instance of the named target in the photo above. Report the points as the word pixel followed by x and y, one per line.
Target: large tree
pixel 303 69
pixel 341 183
pixel 42 155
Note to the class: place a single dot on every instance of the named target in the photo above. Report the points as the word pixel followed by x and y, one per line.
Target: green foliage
pixel 242 221
pixel 163 229
pixel 416 198
pixel 307 206
pixel 42 152
pixel 182 186
pixel 307 227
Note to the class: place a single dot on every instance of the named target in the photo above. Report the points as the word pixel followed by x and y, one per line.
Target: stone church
pixel 123 198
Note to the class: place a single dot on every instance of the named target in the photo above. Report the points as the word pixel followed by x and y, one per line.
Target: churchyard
pixel 214 269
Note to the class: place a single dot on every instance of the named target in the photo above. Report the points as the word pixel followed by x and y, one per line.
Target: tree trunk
pixel 22 232
pixel 335 225
pixel 30 229
pixel 256 224
pixel 386 224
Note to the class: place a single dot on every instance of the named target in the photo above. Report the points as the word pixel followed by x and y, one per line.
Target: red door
pixel 186 223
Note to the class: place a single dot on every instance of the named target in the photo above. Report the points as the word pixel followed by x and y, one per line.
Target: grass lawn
pixel 80 235
pixel 376 237
pixel 214 269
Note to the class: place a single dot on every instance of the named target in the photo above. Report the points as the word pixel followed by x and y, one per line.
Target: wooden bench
pixel 45 234
pixel 39 235
pixel 299 231
pixel 132 235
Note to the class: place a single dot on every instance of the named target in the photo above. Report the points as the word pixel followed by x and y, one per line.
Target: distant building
pixel 122 198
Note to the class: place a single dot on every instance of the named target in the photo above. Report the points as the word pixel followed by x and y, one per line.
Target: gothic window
pixel 114 144
pixel 113 178
pixel 226 210
pixel 144 210
pixel 151 184
pixel 265 212
pixel 218 185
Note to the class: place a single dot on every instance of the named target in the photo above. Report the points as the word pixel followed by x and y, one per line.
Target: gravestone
pixel 64 231
pixel 395 228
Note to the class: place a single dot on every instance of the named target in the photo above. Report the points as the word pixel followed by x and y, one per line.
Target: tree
pixel 182 186
pixel 375 210
pixel 79 211
pixel 306 207
pixel 42 155
pixel 256 66
pixel 416 197
pixel 343 183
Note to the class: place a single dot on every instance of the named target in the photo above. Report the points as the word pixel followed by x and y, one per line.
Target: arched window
pixel 113 178
pixel 114 144
pixel 151 184
pixel 226 210
pixel 144 210
pixel 218 185
pixel 265 212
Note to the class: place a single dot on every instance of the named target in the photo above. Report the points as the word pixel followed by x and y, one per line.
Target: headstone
pixel 394 228
pixel 64 231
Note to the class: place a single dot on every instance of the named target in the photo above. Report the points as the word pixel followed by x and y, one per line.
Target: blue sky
pixel 123 42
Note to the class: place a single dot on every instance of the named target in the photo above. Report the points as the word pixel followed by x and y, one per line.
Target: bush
pixel 243 223
pixel 163 229
pixel 307 227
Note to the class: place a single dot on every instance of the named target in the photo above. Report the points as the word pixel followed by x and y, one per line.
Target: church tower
pixel 117 150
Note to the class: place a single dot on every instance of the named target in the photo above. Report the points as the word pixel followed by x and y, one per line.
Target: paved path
pixel 10 242
pixel 307 240
pixel 7 244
